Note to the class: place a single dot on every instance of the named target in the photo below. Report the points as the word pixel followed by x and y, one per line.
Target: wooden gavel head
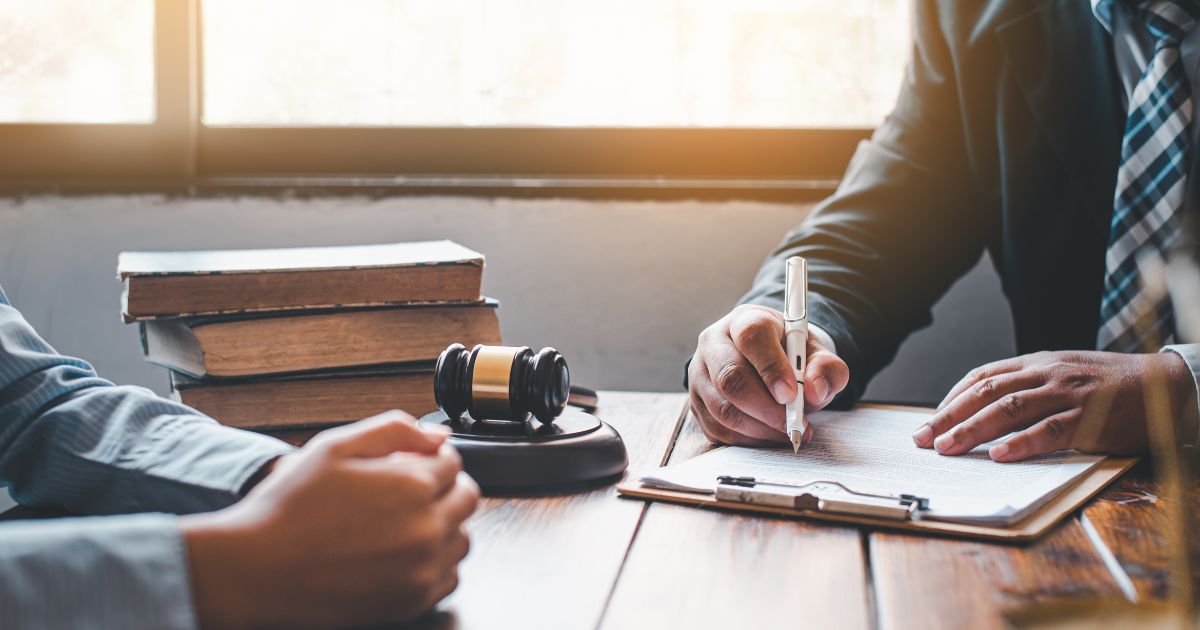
pixel 501 383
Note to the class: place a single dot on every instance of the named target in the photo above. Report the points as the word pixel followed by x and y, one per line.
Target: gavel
pixel 505 383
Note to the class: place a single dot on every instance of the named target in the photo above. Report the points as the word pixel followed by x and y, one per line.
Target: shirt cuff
pixel 822 337
pixel 205 467
pixel 1190 353
pixel 97 572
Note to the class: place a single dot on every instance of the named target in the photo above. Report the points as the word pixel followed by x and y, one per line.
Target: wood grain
pixel 550 561
pixel 926 583
pixel 693 568
pixel 1131 519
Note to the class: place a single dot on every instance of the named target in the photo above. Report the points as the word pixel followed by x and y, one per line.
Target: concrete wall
pixel 621 288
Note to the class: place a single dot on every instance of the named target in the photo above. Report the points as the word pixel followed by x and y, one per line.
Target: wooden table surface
pixel 592 559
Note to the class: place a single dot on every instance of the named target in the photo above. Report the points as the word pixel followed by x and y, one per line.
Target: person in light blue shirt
pixel 187 523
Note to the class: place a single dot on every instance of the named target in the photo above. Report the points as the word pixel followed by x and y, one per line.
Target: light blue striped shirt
pixel 74 441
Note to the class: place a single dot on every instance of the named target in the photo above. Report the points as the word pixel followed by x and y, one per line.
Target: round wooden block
pixel 578 447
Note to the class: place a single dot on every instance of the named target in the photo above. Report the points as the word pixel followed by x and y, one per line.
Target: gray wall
pixel 622 288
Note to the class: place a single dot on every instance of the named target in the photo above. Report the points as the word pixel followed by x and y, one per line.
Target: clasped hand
pixel 739 380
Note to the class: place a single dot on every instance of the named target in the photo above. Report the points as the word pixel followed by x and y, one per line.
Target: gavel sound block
pixel 507 410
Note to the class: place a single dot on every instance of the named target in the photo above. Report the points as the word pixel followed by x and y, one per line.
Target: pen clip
pixel 795 289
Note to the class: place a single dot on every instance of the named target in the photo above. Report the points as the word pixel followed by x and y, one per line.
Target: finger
pixel 736 426
pixel 1049 435
pixel 980 373
pixel 734 380
pixel 458 545
pixel 460 502
pixel 974 399
pixel 757 334
pixel 825 376
pixel 438 473
pixel 715 432
pixel 443 588
pixel 1013 412
pixel 384 434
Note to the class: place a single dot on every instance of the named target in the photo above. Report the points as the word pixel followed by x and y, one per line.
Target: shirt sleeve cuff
pixel 206 467
pixel 822 337
pixel 98 572
pixel 1190 353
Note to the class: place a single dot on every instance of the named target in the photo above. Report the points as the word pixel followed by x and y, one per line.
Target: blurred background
pixel 625 165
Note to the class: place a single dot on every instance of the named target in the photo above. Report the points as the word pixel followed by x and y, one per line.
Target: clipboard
pixel 881 512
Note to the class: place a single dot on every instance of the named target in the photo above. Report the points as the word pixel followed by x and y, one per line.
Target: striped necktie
pixel 1150 182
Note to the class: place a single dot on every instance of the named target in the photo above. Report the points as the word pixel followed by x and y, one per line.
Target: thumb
pixel 384 434
pixel 825 376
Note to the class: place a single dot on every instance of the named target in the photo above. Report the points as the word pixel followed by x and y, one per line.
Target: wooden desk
pixel 591 559
pixel 595 560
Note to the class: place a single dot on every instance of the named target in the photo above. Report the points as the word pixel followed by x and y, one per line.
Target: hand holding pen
pixel 741 377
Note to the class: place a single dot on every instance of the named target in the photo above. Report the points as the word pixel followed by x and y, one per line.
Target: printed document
pixel 871 450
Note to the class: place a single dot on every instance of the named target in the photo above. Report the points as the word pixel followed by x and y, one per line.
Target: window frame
pixel 178 152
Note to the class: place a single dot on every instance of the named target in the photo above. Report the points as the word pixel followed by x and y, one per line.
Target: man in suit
pixel 1056 136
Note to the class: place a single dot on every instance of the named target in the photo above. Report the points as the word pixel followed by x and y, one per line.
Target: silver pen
pixel 795 341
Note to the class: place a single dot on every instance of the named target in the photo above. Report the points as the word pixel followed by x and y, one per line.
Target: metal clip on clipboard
pixel 795 497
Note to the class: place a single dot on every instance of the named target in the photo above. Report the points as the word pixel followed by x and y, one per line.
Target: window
pixel 77 62
pixel 409 91
pixel 563 63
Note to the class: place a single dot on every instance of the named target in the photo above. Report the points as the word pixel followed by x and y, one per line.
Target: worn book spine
pixel 311 401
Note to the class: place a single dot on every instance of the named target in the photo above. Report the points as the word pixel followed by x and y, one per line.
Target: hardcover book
pixel 311 341
pixel 195 283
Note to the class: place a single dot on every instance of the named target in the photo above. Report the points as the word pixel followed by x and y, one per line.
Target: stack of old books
pixel 307 337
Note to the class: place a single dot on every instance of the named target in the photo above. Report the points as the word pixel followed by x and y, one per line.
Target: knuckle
pixel 729 415
pixel 427 578
pixel 752 332
pixel 731 379
pixel 451 455
pixel 430 534
pixel 420 485
pixel 1058 428
pixel 985 387
pixel 1059 367
pixel 776 368
pixel 450 587
pixel 703 420
pixel 474 494
pixel 422 550
pixel 1012 405
pixel 1078 380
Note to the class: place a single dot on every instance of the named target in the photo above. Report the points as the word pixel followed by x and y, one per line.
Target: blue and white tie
pixel 1151 182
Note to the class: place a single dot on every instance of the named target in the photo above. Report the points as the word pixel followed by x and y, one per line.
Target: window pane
pixel 77 62
pixel 737 63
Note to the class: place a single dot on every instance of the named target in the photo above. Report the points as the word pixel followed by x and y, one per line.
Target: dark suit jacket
pixel 1006 138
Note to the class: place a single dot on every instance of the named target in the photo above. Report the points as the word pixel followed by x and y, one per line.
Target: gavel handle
pixel 584 398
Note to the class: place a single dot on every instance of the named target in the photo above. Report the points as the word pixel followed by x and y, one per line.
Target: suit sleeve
pixel 904 224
